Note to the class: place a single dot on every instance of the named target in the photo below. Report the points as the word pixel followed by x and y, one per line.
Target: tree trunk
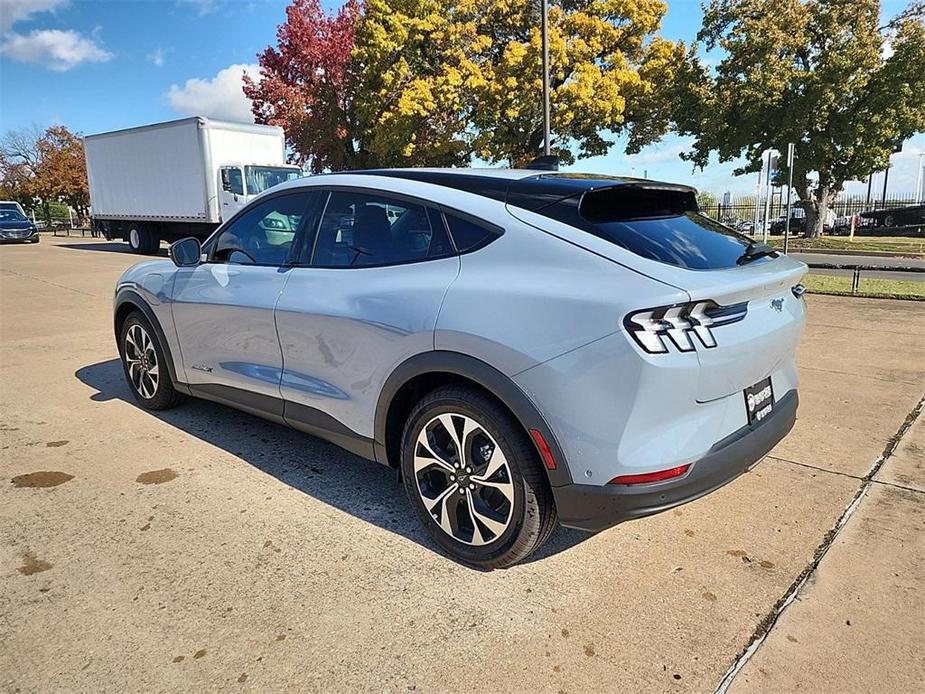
pixel 817 211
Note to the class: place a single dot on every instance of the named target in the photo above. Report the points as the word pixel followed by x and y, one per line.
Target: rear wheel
pixel 144 364
pixel 474 480
pixel 142 240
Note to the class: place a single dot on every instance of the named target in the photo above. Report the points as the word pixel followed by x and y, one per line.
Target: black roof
pixel 524 189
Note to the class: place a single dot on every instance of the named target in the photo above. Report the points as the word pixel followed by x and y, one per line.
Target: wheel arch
pixel 427 370
pixel 128 301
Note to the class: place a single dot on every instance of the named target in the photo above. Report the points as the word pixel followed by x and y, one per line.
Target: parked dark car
pixel 797 225
pixel 15 227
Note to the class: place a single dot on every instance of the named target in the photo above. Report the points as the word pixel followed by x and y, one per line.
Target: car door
pixel 223 308
pixel 365 298
pixel 231 191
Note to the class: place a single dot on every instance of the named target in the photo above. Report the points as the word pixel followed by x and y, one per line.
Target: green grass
pixel 869 287
pixel 893 244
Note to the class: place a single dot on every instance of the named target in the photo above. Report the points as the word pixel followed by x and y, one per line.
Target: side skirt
pixel 301 417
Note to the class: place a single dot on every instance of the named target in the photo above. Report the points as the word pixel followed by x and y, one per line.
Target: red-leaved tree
pixel 306 86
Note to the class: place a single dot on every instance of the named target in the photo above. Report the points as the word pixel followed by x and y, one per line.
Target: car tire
pixel 483 510
pixel 144 363
pixel 142 240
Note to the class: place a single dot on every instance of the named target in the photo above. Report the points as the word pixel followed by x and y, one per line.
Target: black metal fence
pixel 742 212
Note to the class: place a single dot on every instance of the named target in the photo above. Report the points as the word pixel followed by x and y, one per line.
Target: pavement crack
pixel 792 593
pixel 815 467
pixel 51 284
pixel 899 486
pixel 836 372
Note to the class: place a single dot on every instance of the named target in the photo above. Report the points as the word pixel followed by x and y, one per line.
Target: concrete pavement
pixel 204 549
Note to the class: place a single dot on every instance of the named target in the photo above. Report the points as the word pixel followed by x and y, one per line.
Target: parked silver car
pixel 522 346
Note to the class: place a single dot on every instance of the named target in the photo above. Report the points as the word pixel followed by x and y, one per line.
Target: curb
pixel 851 252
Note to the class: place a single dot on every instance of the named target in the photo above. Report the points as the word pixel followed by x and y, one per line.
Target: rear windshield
pixel 661 225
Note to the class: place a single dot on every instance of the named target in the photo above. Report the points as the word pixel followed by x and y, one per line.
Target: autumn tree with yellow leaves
pixel 436 82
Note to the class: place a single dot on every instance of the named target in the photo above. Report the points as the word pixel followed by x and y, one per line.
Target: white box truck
pixel 180 178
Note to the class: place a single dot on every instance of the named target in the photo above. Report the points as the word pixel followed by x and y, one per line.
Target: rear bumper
pixel 593 507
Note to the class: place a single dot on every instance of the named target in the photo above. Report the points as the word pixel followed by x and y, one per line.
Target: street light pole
pixel 790 148
pixel 919 192
pixel 767 202
pixel 545 31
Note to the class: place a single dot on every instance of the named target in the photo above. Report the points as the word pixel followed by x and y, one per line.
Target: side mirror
pixel 185 252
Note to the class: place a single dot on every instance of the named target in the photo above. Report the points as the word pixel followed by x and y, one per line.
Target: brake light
pixel 650 327
pixel 648 477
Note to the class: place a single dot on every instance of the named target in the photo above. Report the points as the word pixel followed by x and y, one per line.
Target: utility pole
pixel 545 13
pixel 870 182
pixel 757 202
pixel 790 149
pixel 766 228
pixel 886 177
pixel 919 191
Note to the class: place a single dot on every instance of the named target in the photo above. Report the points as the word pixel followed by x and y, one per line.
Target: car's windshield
pixel 11 216
pixel 259 178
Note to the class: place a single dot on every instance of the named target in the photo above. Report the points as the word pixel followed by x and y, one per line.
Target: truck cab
pixel 239 183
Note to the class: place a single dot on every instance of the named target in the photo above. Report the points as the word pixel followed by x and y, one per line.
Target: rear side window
pixel 365 229
pixel 658 224
pixel 468 235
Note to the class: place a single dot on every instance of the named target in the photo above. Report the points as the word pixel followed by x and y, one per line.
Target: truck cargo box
pixel 168 172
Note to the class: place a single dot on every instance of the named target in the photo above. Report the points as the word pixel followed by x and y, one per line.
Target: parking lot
pixel 205 549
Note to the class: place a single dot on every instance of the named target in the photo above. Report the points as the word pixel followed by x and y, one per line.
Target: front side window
pixel 260 178
pixel 264 233
pixel 233 181
pixel 365 229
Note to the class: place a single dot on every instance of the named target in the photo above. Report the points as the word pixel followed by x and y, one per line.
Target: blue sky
pixel 100 65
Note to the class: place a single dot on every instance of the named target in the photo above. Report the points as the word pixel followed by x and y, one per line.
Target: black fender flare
pixel 130 296
pixel 489 378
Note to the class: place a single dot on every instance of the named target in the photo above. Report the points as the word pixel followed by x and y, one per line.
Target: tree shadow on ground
pixel 364 489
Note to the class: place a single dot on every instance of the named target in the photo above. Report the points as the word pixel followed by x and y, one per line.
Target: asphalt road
pixel 875 260
pixel 202 549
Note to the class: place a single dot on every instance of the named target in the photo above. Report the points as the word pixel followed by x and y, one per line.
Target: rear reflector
pixel 648 477
pixel 546 454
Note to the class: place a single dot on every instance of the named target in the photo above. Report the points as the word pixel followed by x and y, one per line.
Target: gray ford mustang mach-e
pixel 524 347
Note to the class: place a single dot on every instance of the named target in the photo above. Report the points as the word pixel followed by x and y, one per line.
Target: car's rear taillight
pixel 679 323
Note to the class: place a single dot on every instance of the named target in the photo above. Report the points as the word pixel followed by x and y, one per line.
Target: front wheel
pixel 144 363
pixel 474 479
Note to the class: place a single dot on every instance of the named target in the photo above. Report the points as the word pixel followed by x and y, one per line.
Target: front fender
pixel 130 298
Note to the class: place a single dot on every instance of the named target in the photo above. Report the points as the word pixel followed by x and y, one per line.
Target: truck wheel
pixel 474 480
pixel 142 240
pixel 134 239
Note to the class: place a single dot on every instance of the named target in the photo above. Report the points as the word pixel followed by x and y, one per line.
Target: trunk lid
pixel 749 350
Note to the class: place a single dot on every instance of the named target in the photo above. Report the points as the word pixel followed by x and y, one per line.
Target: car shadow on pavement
pixel 110 247
pixel 364 489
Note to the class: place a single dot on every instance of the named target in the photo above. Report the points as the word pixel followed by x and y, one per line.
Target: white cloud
pixel 55 49
pixel 12 11
pixel 218 97
pixel 887 50
pixel 157 57
pixel 203 7
pixel 656 154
